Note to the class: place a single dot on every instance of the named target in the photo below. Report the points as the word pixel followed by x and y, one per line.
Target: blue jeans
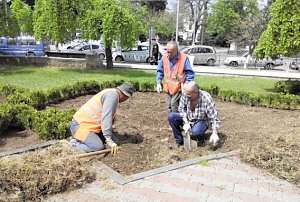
pixel 175 121
pixel 92 143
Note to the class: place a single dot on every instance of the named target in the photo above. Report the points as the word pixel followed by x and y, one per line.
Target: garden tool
pixel 188 143
pixel 94 153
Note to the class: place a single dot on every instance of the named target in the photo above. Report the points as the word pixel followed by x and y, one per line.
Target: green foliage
pixel 23 14
pixel 8 22
pixel 115 20
pixel 163 22
pixel 56 19
pixel 5 117
pixel 226 16
pixel 36 99
pixel 147 86
pixel 288 87
pixel 282 36
pixel 53 123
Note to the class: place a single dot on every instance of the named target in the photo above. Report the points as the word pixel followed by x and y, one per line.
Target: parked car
pixel 266 63
pixel 137 54
pixel 21 46
pixel 295 64
pixel 202 54
pixel 161 48
pixel 88 48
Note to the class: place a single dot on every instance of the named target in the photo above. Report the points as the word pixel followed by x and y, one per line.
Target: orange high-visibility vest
pixel 89 116
pixel 173 79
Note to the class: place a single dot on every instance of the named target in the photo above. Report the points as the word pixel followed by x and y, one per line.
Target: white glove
pixel 158 88
pixel 214 138
pixel 186 127
pixel 114 147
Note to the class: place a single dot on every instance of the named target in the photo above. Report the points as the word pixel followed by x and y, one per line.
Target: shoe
pixel 176 145
pixel 72 141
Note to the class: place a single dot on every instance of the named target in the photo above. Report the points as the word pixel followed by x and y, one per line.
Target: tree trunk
pixel 109 62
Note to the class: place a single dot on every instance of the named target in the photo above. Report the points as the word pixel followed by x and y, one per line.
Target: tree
pixel 196 12
pixel 23 14
pixel 282 36
pixel 155 5
pixel 115 21
pixel 230 19
pixel 56 19
pixel 8 22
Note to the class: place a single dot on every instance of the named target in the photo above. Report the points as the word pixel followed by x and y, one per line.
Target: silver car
pixel 266 63
pixel 88 48
pixel 202 54
pixel 137 54
pixel 295 64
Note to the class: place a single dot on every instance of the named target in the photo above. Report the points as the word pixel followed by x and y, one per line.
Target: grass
pixel 46 78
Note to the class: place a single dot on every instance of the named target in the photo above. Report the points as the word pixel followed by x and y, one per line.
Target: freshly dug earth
pixel 145 136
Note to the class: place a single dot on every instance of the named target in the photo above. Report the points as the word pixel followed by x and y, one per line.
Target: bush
pixel 288 87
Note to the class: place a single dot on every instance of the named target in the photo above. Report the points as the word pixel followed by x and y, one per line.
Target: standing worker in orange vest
pixel 91 127
pixel 174 69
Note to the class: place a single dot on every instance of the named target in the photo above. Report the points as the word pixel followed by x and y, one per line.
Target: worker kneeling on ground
pixel 91 127
pixel 197 111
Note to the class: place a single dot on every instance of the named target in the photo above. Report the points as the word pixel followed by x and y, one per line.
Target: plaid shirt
pixel 204 111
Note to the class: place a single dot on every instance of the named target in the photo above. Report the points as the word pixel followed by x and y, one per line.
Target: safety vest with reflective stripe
pixel 173 79
pixel 89 116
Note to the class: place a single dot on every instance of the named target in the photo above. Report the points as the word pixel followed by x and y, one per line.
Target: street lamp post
pixel 177 19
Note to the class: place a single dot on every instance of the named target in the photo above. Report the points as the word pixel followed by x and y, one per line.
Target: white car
pixel 137 54
pixel 97 48
pixel 240 61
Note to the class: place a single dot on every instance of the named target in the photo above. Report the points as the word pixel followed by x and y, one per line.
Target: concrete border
pixel 121 180
pixel 29 148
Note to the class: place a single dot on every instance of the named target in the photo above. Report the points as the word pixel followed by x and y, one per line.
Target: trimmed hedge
pixel 28 109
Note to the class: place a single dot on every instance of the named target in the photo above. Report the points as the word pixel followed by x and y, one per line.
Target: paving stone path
pixel 225 179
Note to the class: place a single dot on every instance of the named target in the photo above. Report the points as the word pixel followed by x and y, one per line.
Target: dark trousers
pixel 173 102
pixel 175 121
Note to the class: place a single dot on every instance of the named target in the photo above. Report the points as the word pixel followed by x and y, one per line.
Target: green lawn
pixel 45 78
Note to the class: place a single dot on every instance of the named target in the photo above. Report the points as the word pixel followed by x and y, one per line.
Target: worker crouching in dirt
pixel 197 111
pixel 91 127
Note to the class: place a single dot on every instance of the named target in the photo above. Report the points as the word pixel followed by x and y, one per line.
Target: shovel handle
pixel 93 153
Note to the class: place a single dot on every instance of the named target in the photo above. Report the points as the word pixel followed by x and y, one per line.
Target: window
pixel 95 47
pixel 24 42
pixel 32 42
pixel 11 42
pixel 208 50
pixel 2 41
pixel 86 47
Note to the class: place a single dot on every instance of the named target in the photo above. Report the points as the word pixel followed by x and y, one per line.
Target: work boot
pixel 72 141
pixel 176 145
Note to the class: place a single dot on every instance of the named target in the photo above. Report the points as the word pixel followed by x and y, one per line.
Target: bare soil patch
pixel 145 136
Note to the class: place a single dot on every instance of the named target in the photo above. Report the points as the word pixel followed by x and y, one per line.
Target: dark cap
pixel 127 89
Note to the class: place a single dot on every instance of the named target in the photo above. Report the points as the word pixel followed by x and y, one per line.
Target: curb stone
pixel 121 180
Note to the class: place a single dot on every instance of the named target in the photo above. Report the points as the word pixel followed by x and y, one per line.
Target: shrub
pixel 288 87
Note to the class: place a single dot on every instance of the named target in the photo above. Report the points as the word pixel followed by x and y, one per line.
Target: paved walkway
pixel 225 179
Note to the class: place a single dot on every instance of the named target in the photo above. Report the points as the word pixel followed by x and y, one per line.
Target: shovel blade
pixel 189 144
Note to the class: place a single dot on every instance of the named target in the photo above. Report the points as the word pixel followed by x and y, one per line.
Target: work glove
pixel 159 88
pixel 113 146
pixel 214 138
pixel 186 127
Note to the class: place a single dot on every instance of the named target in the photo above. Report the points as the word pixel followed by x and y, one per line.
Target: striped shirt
pixel 204 111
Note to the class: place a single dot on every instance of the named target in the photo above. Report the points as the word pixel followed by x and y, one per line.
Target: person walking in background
pixel 155 52
pixel 91 127
pixel 197 111
pixel 173 70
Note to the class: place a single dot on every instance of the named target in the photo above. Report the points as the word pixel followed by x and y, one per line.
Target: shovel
pixel 188 143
